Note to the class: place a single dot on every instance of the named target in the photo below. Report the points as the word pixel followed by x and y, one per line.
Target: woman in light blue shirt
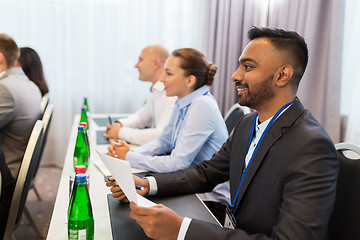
pixel 196 129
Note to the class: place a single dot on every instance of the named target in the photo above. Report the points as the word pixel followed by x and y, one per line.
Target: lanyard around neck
pixel 257 145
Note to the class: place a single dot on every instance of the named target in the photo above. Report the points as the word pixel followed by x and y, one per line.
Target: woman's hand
pixel 118 149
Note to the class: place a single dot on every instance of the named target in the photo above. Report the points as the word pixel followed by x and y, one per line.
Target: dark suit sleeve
pixel 309 191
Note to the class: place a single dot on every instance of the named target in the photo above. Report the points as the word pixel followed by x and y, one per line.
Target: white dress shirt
pixel 149 121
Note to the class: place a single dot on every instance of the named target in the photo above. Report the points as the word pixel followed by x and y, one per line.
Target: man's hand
pixel 118 149
pixel 119 194
pixel 112 130
pixel 158 222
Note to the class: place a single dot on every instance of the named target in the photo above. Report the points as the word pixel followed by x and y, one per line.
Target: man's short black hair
pixel 289 41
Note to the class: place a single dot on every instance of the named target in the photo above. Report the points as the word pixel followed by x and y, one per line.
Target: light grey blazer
pixel 19 110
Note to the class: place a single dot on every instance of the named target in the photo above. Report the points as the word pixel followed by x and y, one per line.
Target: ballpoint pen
pixel 110 120
pixel 107 178
pixel 139 188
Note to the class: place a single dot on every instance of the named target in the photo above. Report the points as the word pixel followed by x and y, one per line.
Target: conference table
pixel 111 218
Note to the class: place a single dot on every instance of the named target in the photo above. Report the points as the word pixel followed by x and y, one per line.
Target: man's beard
pixel 258 95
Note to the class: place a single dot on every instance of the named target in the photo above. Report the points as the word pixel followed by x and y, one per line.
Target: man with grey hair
pixel 19 105
pixel 149 121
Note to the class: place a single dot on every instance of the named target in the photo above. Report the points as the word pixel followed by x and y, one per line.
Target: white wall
pixel 89 48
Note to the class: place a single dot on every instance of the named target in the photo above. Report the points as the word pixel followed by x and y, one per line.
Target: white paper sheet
pixel 144 202
pixel 103 169
pixel 121 171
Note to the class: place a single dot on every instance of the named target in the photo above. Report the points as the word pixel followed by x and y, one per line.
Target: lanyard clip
pixel 230 221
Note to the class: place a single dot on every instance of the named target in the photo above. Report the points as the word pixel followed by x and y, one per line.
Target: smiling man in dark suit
pixel 281 163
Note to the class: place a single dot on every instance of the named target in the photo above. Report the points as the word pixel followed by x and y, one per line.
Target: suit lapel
pixel 271 136
pixel 241 137
pixel 278 128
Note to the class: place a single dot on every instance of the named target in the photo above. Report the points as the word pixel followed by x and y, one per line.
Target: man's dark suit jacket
pixel 289 188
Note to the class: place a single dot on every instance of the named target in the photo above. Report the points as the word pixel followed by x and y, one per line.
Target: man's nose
pixel 237 76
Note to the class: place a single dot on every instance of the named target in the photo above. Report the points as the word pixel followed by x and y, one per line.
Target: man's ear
pixel 2 58
pixel 284 75
pixel 191 81
pixel 3 64
pixel 157 63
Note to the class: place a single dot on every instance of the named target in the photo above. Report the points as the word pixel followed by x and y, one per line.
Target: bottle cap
pixel 80 169
pixel 83 124
pixel 80 177
pixel 81 128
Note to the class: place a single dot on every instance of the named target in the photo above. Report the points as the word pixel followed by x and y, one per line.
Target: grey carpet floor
pixel 47 183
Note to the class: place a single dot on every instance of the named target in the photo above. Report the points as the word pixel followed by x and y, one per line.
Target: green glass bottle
pixel 80 217
pixel 86 134
pixel 78 169
pixel 81 156
pixel 86 104
pixel 84 118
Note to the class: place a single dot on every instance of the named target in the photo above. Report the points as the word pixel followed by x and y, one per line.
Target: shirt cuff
pixel 152 185
pixel 125 132
pixel 184 227
pixel 122 122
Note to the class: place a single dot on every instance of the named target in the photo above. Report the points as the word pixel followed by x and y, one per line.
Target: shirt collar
pixel 11 71
pixel 158 86
pixel 261 127
pixel 186 101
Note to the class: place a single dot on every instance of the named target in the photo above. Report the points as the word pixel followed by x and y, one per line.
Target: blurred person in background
pixel 149 121
pixel 31 64
pixel 19 105
pixel 7 191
